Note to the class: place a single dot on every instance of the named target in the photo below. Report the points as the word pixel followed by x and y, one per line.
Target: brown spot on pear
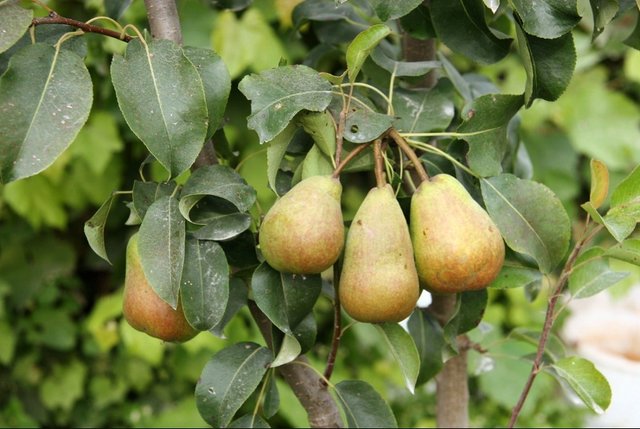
pixel 456 244
pixel 303 232
pixel 145 310
pixel 379 282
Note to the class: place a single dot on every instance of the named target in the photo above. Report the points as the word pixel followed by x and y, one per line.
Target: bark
pixel 164 20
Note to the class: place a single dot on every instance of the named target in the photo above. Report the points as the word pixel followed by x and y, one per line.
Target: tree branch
pixel 54 18
pixel 164 20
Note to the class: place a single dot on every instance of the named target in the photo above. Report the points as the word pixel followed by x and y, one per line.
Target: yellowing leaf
pixel 599 183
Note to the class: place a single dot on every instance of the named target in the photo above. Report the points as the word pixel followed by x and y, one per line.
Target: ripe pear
pixel 303 233
pixel 144 309
pixel 457 246
pixel 379 282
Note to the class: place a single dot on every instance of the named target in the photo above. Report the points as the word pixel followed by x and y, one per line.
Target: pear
pixel 303 233
pixel 457 246
pixel 379 282
pixel 144 309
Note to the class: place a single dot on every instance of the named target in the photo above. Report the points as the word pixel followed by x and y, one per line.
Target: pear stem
pixel 410 153
pixel 379 166
pixel 349 158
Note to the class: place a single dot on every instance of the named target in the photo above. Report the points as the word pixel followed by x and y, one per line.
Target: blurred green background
pixel 67 358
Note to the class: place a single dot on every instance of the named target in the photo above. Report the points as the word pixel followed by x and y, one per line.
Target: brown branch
pixel 164 20
pixel 337 324
pixel 54 18
pixel 379 168
pixel 348 159
pixel 410 154
pixel 549 320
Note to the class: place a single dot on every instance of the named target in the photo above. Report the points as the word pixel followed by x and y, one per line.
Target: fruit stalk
pixel 379 169
pixel 393 133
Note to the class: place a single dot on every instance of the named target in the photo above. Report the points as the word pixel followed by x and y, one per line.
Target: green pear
pixel 379 282
pixel 303 233
pixel 144 309
pixel 457 246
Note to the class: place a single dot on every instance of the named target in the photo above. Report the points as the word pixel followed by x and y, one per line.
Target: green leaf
pixel 115 8
pixel 289 350
pixel 461 25
pixel 215 80
pixel 628 251
pixel 284 298
pixel 94 228
pixel 161 246
pixel 165 105
pixel 621 220
pixel 530 217
pixel 271 402
pixel 603 12
pixel 316 164
pixel 592 276
pixel 628 190
pixel 364 125
pixel 321 127
pixel 512 276
pixel 69 379
pixel 428 337
pixel 485 121
pixel 8 342
pixel 223 226
pixel 218 181
pixel 554 348
pixel 547 19
pixel 360 48
pixel 204 289
pixel 363 406
pixel 470 307
pixel 306 332
pixel 275 153
pixel 42 107
pixel 599 183
pixel 549 64
pixel 387 10
pixel 146 193
pixel 402 68
pixel 14 21
pixel 249 421
pixel 238 294
pixel 228 380
pixel 277 95
pixel 403 350
pixel 421 110
pixel 588 383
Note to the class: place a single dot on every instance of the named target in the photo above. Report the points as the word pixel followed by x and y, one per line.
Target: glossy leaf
pixel 530 217
pixel 485 122
pixel 45 98
pixel 360 48
pixel 204 289
pixel 284 298
pixel 603 12
pixel 228 380
pixel 275 153
pixel 428 337
pixel 512 276
pixel 161 246
pixel 404 350
pixel 363 125
pixel 363 406
pixel 628 251
pixel 224 226
pixel 461 25
pixel 94 228
pixel 218 181
pixel 591 274
pixel 420 110
pixel 387 10
pixel 277 95
pixel 146 193
pixel 165 104
pixel 238 294
pixel 249 421
pixel 549 64
pixel 403 68
pixel 585 380
pixel 14 22
pixel 215 80
pixel 493 5
pixel 322 129
pixel 547 19
pixel 599 183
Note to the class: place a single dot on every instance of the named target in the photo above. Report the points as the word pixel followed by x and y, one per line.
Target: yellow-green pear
pixel 144 309
pixel 303 232
pixel 457 246
pixel 379 282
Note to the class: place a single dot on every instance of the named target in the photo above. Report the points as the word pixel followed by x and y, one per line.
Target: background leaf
pixel 14 21
pixel 165 104
pixel 204 289
pixel 94 228
pixel 547 19
pixel 530 218
pixel 404 351
pixel 277 95
pixel 161 246
pixel 360 48
pixel 34 132
pixel 591 274
pixel 363 406
pixel 228 380
pixel 588 383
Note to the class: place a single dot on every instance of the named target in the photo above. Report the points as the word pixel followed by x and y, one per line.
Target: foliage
pixel 97 133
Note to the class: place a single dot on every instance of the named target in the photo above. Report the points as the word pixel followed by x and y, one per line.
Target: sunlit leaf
pixel 360 48
pixel 363 406
pixel 628 251
pixel 403 350
pixel 289 350
pixel 588 383
pixel 599 183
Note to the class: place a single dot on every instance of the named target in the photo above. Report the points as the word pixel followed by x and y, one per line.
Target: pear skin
pixel 379 282
pixel 303 233
pixel 145 310
pixel 457 246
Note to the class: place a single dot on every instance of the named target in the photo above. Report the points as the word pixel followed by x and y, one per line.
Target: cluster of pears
pixel 144 309
pixel 451 245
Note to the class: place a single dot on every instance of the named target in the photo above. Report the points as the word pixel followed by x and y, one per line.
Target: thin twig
pixel 54 18
pixel 348 159
pixel 337 324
